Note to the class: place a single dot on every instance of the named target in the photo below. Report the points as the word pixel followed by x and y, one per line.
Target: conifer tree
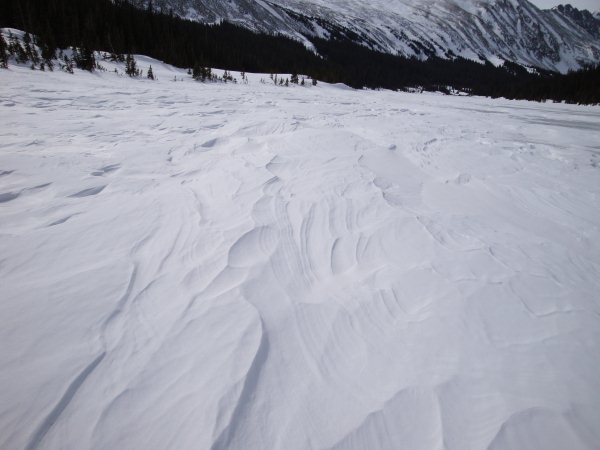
pixel 150 73
pixel 287 82
pixel 27 45
pixel 48 54
pixel 117 57
pixel 294 78
pixel 131 66
pixel 84 59
pixel 15 48
pixel 302 82
pixel 314 82
pixel 68 64
pixel 3 52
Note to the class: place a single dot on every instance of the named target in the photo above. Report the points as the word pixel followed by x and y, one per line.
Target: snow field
pixel 189 265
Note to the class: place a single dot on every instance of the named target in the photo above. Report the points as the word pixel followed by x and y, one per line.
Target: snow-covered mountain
pixel 515 30
pixel 585 19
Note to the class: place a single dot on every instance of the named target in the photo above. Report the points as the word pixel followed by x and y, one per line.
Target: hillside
pixel 119 28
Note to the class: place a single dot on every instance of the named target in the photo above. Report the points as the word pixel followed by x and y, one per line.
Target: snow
pixel 188 265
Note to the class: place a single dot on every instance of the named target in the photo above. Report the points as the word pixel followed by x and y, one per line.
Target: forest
pixel 121 28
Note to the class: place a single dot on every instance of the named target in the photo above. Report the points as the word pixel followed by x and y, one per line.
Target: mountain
pixel 583 18
pixel 515 30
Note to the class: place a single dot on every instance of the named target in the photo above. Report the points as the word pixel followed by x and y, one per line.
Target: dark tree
pixel 27 45
pixel 197 72
pixel 15 48
pixel 48 52
pixel 150 73
pixel 84 59
pixel 294 78
pixel 116 57
pixel 3 52
pixel 68 64
pixel 131 66
pixel 202 73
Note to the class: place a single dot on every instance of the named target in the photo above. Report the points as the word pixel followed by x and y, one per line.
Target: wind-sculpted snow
pixel 220 266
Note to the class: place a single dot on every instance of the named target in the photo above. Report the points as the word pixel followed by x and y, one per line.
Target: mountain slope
pixel 512 30
pixel 583 18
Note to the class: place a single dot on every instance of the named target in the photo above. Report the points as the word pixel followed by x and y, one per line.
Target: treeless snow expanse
pixel 194 266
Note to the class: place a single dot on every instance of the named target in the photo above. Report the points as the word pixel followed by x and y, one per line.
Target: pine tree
pixel 48 54
pixel 27 45
pixel 314 81
pixel 287 82
pixel 202 73
pixel 150 73
pixel 302 82
pixel 294 78
pixel 15 48
pixel 131 66
pixel 116 57
pixel 3 53
pixel 227 76
pixel 84 59
pixel 68 64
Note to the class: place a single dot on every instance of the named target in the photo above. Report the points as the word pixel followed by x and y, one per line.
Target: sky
pixel 592 5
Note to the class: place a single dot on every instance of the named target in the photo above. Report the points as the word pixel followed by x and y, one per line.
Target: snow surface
pixel 187 266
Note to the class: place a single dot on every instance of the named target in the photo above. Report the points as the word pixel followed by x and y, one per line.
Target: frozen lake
pixel 189 266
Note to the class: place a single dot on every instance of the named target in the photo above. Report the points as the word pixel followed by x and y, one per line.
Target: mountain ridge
pixel 559 39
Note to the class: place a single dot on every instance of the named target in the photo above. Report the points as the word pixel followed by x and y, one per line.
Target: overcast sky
pixel 592 5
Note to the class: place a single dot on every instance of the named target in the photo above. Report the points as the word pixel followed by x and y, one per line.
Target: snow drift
pixel 189 265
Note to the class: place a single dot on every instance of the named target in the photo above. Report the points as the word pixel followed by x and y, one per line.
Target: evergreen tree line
pixel 120 28
pixel 30 50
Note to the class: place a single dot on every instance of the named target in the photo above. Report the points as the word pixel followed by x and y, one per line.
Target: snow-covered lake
pixel 194 266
